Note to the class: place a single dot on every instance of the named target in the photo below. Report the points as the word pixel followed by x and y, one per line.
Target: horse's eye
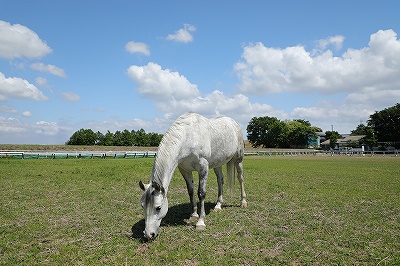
pixel 158 208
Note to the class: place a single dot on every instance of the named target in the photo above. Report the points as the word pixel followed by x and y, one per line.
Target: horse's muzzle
pixel 149 236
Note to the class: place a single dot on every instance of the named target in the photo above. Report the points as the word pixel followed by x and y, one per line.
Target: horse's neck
pixel 165 164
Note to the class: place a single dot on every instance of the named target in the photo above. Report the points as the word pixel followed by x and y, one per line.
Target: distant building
pixel 317 142
pixel 343 143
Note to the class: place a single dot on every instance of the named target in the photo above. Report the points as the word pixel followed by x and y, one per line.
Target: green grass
pixel 302 210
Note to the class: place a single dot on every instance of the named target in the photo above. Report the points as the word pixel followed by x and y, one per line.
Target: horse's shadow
pixel 177 215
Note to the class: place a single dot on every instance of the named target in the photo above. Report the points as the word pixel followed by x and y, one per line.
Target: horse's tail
pixel 230 168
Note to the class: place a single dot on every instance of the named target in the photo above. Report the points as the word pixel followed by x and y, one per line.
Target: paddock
pixel 301 210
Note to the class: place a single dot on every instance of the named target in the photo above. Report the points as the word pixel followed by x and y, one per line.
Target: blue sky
pixel 115 65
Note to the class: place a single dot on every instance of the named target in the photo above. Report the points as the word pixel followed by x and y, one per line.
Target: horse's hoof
pixel 218 206
pixel 200 228
pixel 244 205
pixel 192 220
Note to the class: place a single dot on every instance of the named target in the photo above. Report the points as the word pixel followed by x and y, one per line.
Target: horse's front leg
pixel 220 181
pixel 203 175
pixel 188 176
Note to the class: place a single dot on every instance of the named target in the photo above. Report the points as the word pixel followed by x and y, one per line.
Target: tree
pixel 369 139
pixel 333 136
pixel 255 131
pixel 141 138
pixel 118 138
pixel 300 133
pixel 386 124
pixel 124 138
pixel 127 138
pixel 266 132
pixel 108 139
pixel 154 139
pixel 269 132
pixel 82 137
pixel 99 138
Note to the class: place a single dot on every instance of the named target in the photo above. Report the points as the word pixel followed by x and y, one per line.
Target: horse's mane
pixel 171 138
pixel 168 146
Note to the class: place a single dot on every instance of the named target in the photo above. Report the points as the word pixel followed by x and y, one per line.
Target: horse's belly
pixel 218 163
pixel 192 163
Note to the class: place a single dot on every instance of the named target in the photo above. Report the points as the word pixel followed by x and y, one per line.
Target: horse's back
pixel 217 140
pixel 225 132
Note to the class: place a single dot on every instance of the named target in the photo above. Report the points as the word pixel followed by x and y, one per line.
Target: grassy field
pixel 302 211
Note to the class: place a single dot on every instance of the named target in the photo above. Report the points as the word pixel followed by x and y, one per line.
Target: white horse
pixel 193 143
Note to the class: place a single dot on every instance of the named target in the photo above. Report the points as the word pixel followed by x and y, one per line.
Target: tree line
pixel 382 130
pixel 270 132
pixel 119 138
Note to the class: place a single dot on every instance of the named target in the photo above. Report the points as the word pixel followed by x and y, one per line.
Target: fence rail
pixel 152 154
pixel 322 153
pixel 75 154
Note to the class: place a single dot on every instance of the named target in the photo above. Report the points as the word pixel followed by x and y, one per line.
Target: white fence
pixel 75 154
pixel 152 154
pixel 322 153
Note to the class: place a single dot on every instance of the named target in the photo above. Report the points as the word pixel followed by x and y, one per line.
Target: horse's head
pixel 155 204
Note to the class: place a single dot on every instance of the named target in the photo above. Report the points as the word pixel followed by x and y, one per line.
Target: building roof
pixel 326 142
pixel 350 138
pixel 345 139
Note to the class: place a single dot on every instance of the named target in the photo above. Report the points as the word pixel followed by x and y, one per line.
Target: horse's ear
pixel 144 187
pixel 158 187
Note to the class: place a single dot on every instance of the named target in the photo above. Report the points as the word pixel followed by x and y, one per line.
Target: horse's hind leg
pixel 239 167
pixel 220 180
pixel 190 187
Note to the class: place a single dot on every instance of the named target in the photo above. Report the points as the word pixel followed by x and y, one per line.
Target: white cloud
pixel 49 69
pixel 183 35
pixel 18 41
pixel 48 128
pixel 354 85
pixel 15 131
pixel 11 125
pixel 331 113
pixel 7 109
pixel 70 97
pixel 114 125
pixel 336 41
pixel 27 114
pixel 10 110
pixel 155 82
pixel 137 47
pixel 42 82
pixel 373 97
pixel 18 88
pixel 265 70
pixel 344 118
pixel 216 103
pixel 175 95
